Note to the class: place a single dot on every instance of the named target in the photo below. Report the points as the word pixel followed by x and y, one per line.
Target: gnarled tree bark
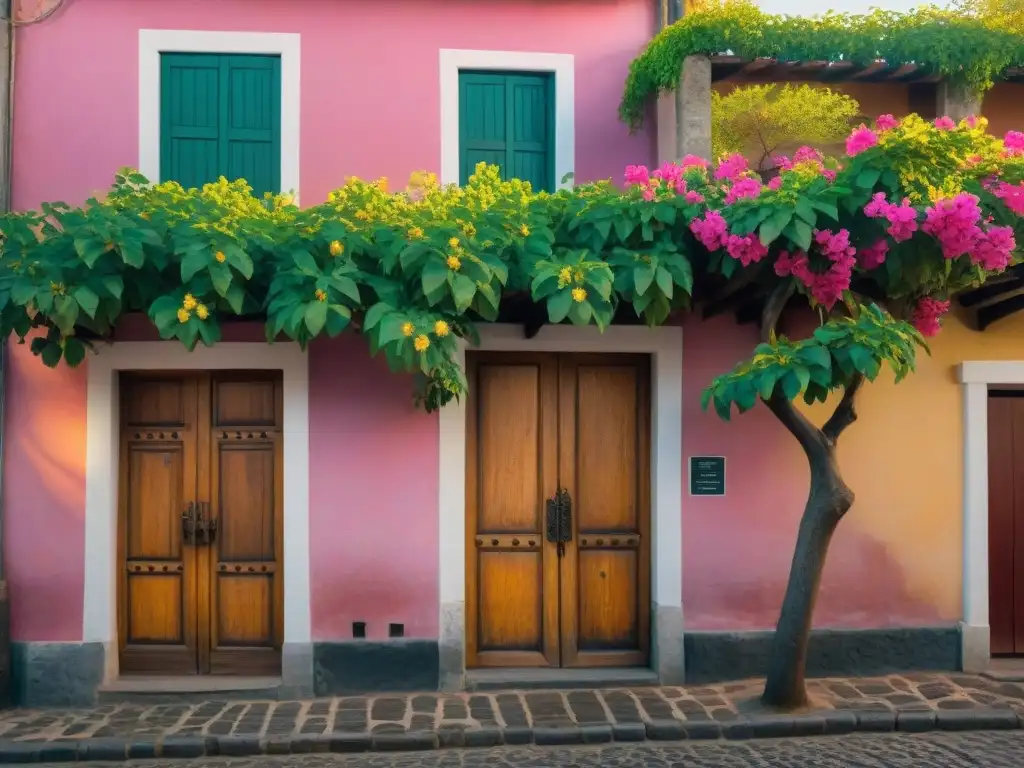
pixel 828 501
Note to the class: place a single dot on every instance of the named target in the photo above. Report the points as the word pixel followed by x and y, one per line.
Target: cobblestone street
pixel 984 750
pixel 910 703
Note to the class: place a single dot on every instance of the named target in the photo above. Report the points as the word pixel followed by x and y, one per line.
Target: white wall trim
pixel 665 345
pixel 976 378
pixel 102 461
pixel 153 42
pixel 562 65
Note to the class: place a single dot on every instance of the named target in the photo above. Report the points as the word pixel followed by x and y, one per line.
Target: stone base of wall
pixel 717 656
pixel 362 666
pixel 56 674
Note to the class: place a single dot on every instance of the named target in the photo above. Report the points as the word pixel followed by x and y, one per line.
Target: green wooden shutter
pixel 221 116
pixel 507 119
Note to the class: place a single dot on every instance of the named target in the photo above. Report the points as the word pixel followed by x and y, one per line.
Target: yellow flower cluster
pixel 422 342
pixel 189 305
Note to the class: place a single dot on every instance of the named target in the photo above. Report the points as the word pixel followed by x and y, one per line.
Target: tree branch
pixel 845 413
pixel 810 437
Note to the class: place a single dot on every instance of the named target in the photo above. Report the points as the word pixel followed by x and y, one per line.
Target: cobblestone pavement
pixel 909 702
pixel 984 750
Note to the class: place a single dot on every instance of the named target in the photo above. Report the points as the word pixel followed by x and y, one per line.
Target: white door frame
pixel 102 460
pixel 977 377
pixel 665 346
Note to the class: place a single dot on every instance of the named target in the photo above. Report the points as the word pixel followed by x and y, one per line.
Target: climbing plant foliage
pixel 915 212
pixel 961 47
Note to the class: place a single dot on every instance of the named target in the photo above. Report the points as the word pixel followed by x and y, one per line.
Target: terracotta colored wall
pixel 370 91
pixel 44 498
pixel 896 558
pixel 1004 108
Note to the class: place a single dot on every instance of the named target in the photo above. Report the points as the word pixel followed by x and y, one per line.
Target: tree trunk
pixel 829 499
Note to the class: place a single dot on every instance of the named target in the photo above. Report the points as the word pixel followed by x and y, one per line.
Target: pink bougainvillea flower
pixel 829 174
pixel 945 123
pixel 693 197
pixel 775 183
pixel 782 162
pixel 902 218
pixel 861 139
pixel 637 175
pixel 648 193
pixel 743 188
pixel 1013 143
pixel 873 256
pixel 794 264
pixel 710 231
pixel 954 223
pixel 746 249
pixel 971 121
pixel 670 172
pixel 691 161
pixel 680 186
pixel 993 251
pixel 731 167
pixel 1012 196
pixel 886 122
pixel 806 154
pixel 927 315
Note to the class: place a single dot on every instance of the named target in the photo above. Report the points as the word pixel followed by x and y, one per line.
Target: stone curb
pixel 759 727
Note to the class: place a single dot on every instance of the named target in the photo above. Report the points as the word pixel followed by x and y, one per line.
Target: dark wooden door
pixel 1006 522
pixel 208 446
pixel 537 424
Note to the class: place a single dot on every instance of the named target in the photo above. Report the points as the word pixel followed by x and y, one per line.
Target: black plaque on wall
pixel 707 475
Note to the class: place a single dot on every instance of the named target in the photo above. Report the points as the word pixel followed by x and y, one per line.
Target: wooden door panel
pixel 603 463
pixel 158 609
pixel 1017 533
pixel 246 499
pixel 1001 509
pixel 512 584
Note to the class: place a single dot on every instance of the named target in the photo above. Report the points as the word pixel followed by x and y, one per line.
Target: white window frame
pixel 153 42
pixel 561 65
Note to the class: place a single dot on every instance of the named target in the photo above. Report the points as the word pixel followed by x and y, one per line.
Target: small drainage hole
pixel 396 630
pixel 358 629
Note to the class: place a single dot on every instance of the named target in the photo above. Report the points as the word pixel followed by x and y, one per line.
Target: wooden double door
pixel 557 503
pixel 200 523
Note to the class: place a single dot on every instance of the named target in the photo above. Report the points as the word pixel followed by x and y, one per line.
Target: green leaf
pixel 374 315
pixel 559 306
pixel 664 280
pixel 74 351
pixel 52 354
pixel 114 284
pixel 221 276
pixel 463 291
pixel 772 227
pixel 805 211
pixel 305 262
pixel 87 300
pixel 89 250
pixel 347 287
pixel 791 384
pixel 236 298
pixel 867 178
pixel 316 316
pixel 209 332
pixel 338 317
pixel 643 276
pixel 240 260
pixel 862 358
pixel 800 233
pixel 193 263
pixel 815 355
pixel 435 277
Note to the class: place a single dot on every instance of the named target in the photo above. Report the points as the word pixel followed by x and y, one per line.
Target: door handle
pixel 188 524
pixel 211 525
pixel 559 519
pixel 565 516
pixel 206 527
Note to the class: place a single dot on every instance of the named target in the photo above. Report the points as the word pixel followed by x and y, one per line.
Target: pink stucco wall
pixel 370 91
pixel 373 464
